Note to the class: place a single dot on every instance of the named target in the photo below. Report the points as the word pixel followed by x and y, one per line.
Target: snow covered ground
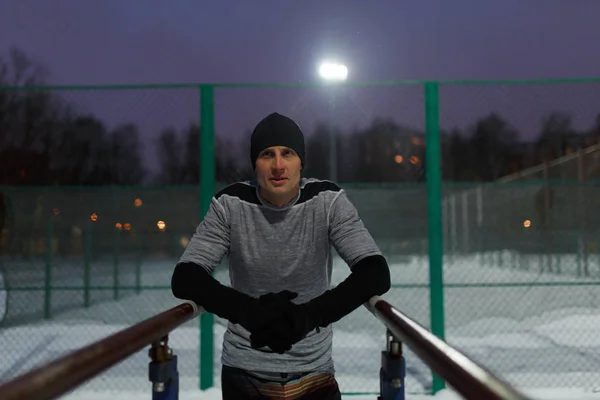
pixel 446 394
pixel 543 338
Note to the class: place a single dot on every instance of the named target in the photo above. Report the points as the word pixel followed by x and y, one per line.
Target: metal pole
pixel 138 264
pixel 48 274
pixel 333 162
pixel 162 371
pixel 453 229
pixel 393 370
pixel 86 264
pixel 465 221
pixel 434 216
pixel 116 251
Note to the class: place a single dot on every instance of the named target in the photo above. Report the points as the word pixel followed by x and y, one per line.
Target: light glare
pixel 333 71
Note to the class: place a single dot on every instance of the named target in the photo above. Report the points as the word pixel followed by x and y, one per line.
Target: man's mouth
pixel 278 180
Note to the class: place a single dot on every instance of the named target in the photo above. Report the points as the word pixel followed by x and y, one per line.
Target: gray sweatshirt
pixel 271 249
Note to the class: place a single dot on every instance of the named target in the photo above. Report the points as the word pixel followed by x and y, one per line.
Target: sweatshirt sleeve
pixel 347 233
pixel 210 243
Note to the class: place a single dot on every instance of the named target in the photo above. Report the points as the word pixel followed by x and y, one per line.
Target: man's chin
pixel 280 189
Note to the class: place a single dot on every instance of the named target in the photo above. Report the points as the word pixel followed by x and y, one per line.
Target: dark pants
pixel 239 385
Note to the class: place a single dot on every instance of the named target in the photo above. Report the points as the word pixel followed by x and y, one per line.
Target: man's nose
pixel 278 162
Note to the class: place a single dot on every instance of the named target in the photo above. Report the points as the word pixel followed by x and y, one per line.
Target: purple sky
pixel 152 41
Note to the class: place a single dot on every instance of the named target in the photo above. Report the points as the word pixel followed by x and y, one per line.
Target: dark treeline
pixel 44 141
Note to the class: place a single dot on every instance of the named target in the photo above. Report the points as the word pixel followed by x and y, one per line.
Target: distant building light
pixel 417 141
pixel 184 241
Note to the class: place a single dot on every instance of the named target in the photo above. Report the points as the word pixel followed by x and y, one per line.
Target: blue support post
pixel 393 370
pixel 162 371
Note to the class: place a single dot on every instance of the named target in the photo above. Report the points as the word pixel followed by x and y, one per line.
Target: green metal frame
pixel 434 215
pixel 207 188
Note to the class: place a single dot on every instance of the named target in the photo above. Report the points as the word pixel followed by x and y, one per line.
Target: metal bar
pixel 116 262
pixel 66 373
pixel 305 84
pixel 553 163
pixel 465 221
pixel 86 264
pixel 48 273
pixel 434 213
pixel 392 373
pixel 138 264
pixel 465 376
pixel 162 371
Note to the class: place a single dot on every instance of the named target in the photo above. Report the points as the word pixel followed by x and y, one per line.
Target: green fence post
pixel 48 277
pixel 207 187
pixel 116 250
pixel 86 265
pixel 434 215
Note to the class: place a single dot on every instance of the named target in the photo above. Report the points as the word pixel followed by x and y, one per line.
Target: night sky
pixel 129 42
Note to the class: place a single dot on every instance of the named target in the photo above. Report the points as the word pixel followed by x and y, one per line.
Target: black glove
pixel 193 282
pixel 295 323
pixel 257 315
pixel 369 277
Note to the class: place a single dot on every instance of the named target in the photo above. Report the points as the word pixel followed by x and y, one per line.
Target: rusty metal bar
pixel 464 375
pixel 66 373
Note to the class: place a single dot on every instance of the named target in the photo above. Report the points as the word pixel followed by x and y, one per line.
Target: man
pixel 277 232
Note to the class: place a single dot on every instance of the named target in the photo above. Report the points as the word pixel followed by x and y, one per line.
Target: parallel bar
pixel 394 286
pixel 464 375
pixel 66 373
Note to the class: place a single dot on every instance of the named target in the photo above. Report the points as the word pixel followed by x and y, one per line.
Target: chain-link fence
pixel 519 255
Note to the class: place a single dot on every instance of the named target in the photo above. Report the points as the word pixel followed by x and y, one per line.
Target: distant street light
pixel 333 72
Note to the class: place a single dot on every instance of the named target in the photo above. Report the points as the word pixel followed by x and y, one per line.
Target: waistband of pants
pixel 280 376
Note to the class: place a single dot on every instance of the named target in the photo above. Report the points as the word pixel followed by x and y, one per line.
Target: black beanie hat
pixel 276 130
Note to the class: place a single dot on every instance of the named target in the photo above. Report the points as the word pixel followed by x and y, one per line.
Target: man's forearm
pixel 370 277
pixel 193 282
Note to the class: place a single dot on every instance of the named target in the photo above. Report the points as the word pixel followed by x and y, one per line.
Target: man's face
pixel 278 174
